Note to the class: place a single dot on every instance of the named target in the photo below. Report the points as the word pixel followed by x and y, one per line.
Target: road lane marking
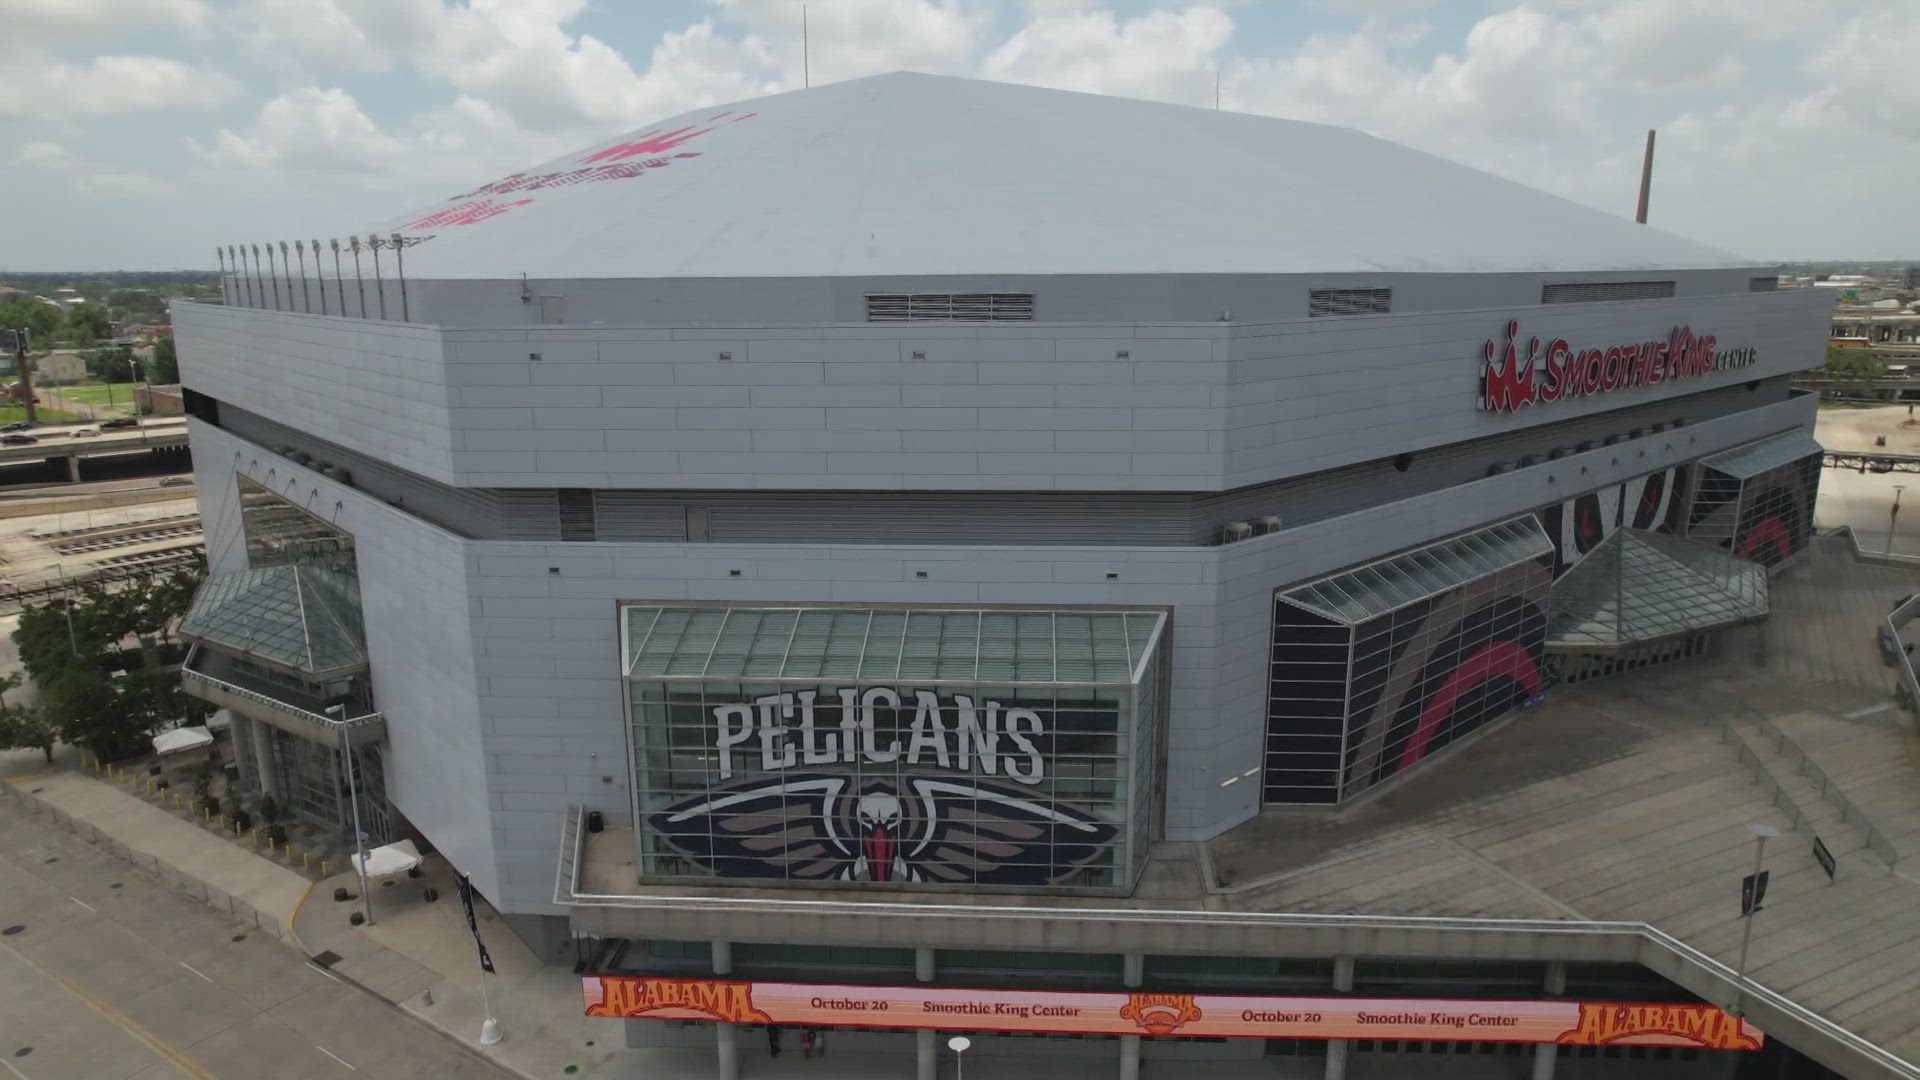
pixel 84 904
pixel 167 1052
pixel 193 969
pixel 333 1055
pixel 11 1069
pixel 1868 711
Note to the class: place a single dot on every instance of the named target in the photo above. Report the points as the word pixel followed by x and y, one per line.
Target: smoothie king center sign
pixel 1579 1023
pixel 1516 373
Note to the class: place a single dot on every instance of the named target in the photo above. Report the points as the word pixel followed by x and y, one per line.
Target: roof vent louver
pixel 1235 531
pixel 1586 292
pixel 1269 523
pixel 1499 467
pixel 949 307
pixel 1348 302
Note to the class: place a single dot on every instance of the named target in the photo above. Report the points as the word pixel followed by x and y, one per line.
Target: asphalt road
pixel 105 973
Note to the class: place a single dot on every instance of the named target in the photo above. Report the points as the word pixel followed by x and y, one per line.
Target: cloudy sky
pixel 141 133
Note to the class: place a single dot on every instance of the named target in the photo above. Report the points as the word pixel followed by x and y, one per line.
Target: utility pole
pixel 22 338
pixel 1646 180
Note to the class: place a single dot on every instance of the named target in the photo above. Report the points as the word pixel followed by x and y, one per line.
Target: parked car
pixel 17 439
pixel 82 433
pixel 118 422
pixel 175 481
pixel 17 425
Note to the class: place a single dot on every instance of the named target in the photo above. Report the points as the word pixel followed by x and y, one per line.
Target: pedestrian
pixel 773 1039
pixel 806 1042
pixel 820 1042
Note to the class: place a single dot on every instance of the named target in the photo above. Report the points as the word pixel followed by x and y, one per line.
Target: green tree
pixel 113 363
pixel 1845 362
pixel 42 320
pixel 24 727
pixel 88 323
pixel 164 368
pixel 87 710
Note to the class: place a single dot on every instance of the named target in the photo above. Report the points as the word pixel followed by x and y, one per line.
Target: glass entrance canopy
pixel 1639 588
pixel 978 748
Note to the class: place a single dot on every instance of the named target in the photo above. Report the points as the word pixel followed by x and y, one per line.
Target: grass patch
pixel 10 413
pixel 96 394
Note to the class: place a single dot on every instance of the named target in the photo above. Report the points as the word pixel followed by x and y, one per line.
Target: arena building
pixel 835 559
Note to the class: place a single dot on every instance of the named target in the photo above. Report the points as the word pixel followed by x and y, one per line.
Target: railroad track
pixel 126 538
pixel 91 530
pixel 109 570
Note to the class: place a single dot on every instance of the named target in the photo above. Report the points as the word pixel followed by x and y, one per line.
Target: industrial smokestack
pixel 1646 180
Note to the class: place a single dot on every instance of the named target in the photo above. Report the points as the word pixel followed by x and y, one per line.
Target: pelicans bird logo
pixel 935 828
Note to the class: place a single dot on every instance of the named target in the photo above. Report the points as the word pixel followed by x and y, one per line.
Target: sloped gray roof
pixel 909 174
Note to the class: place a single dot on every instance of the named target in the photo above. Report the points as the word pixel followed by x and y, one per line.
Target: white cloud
pixel 309 130
pixel 1163 55
pixel 35 22
pixel 88 178
pixel 109 84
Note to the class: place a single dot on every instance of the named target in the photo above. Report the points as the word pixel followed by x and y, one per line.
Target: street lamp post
pixel 1761 834
pixel 339 713
pixel 958 1044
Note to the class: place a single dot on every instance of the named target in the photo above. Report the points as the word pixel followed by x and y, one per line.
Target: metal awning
pixel 887 645
pixel 300 619
pixel 1769 453
pixel 1356 595
pixel 1636 588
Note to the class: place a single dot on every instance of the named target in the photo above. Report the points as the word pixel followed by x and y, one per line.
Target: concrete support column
pixel 1133 967
pixel 727 1052
pixel 1337 1048
pixel 1546 1055
pixel 726 1048
pixel 260 736
pixel 73 468
pixel 926 1047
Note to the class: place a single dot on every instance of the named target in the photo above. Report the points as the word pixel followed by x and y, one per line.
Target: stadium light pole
pixel 339 713
pixel 1762 832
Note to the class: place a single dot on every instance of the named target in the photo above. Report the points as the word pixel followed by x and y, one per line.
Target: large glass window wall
pixel 911 768
pixel 1376 668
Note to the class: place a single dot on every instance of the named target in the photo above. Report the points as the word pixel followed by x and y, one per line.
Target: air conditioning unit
pixel 301 456
pixel 1529 461
pixel 1499 467
pixel 1269 524
pixel 1584 446
pixel 1556 453
pixel 1235 531
pixel 1611 439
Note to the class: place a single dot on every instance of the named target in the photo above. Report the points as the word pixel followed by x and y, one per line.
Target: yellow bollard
pixel 306 860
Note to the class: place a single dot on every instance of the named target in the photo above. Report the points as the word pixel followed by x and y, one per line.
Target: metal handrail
pixel 267 699
pixel 1645 933
pixel 1850 811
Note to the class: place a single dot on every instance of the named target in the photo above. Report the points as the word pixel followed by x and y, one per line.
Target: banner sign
pixel 1824 857
pixel 1517 374
pixel 1580 1023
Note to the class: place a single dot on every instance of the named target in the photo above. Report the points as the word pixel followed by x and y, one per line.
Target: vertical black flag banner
pixel 466 904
